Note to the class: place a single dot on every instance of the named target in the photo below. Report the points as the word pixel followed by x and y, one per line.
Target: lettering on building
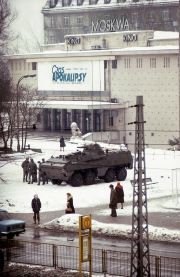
pixel 73 40
pixel 62 75
pixel 130 37
pixel 110 25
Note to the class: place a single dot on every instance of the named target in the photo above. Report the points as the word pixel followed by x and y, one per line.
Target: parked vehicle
pixel 10 227
pixel 83 167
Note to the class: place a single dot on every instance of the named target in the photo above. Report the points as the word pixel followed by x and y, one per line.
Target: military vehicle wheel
pixel 89 177
pixel 56 181
pixel 77 180
pixel 121 174
pixel 109 176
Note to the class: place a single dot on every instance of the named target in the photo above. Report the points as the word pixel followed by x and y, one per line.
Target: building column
pixel 63 120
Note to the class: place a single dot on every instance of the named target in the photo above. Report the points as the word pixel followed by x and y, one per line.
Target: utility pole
pixel 140 262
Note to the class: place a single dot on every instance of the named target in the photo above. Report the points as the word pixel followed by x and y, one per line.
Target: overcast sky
pixel 28 24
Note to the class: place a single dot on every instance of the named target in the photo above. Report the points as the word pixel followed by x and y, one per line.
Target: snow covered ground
pixel 16 196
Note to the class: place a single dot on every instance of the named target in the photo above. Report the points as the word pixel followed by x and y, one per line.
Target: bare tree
pixel 30 106
pixel 7 16
pixel 8 121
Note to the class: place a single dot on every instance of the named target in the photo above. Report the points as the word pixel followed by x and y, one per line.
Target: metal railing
pixel 67 257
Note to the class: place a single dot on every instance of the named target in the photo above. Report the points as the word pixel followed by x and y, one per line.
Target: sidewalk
pixel 163 220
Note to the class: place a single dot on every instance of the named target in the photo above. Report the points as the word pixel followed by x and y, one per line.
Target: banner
pixel 71 76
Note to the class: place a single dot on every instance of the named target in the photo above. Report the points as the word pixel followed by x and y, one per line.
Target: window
pixel 111 121
pixel 34 66
pixel 139 62
pixel 127 63
pixel 114 64
pixel 105 64
pixel 93 2
pixel 166 61
pixel 80 2
pixel 80 20
pixel 66 21
pixel 52 21
pixel 152 62
pixel 165 15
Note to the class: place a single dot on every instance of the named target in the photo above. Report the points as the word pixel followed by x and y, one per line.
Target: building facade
pixel 93 79
pixel 68 17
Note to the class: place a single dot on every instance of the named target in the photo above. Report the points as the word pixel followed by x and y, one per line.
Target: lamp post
pixel 17 102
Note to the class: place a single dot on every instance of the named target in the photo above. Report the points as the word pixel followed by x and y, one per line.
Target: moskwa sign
pixel 72 76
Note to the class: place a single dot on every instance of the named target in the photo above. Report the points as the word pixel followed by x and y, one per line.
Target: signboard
pixel 71 76
pixel 85 248
pixel 85 242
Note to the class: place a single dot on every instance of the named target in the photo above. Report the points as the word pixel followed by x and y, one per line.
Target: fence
pixel 67 257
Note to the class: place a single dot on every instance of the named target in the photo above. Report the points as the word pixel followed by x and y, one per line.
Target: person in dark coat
pixel 120 194
pixel 32 172
pixel 62 143
pixel 25 166
pixel 70 207
pixel 113 201
pixel 36 206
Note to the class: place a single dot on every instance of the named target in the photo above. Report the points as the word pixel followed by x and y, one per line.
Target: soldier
pixel 113 201
pixel 25 166
pixel 32 172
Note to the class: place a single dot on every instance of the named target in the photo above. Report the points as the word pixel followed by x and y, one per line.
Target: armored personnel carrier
pixel 83 167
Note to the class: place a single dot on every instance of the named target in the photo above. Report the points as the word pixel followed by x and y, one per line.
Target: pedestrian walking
pixel 25 167
pixel 113 201
pixel 62 143
pixel 36 206
pixel 70 207
pixel 120 194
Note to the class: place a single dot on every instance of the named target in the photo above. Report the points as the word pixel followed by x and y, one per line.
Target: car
pixel 10 227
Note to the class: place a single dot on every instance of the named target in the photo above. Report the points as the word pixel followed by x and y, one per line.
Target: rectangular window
pixel 105 64
pixel 93 2
pixel 52 22
pixel 66 21
pixel 114 64
pixel 127 63
pixel 80 20
pixel 152 62
pixel 111 121
pixel 80 2
pixel 166 62
pixel 165 15
pixel 139 62
pixel 34 66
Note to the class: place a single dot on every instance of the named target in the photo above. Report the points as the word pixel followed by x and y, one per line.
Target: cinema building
pixel 93 79
pixel 68 17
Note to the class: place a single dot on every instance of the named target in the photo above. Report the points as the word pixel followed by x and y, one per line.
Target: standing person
pixel 36 206
pixel 25 166
pixel 70 207
pixel 113 201
pixel 62 143
pixel 120 194
pixel 32 172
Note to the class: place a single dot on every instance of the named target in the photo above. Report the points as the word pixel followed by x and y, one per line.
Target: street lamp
pixel 17 100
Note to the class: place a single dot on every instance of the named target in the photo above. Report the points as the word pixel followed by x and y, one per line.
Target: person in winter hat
pixel 36 206
pixel 120 194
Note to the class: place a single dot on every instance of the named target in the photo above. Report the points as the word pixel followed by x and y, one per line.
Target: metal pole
pixel 17 103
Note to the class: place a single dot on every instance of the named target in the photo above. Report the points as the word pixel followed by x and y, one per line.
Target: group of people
pixel 32 173
pixel 116 196
pixel 36 207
